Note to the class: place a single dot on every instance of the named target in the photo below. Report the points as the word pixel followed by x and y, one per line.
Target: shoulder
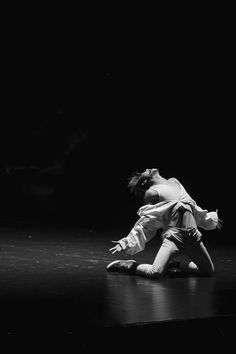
pixel 151 196
pixel 151 192
pixel 173 179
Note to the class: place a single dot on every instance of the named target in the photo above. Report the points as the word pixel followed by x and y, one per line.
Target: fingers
pixel 115 249
pixel 110 249
pixel 219 224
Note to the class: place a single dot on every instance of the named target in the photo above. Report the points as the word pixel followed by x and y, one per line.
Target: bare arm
pixel 151 197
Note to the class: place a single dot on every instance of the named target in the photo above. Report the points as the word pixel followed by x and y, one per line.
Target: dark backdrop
pixel 81 114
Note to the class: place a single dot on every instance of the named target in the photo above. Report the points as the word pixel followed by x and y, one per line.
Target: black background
pixel 85 104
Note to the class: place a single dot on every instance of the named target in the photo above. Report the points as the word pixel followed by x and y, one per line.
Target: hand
pixel 117 248
pixel 219 224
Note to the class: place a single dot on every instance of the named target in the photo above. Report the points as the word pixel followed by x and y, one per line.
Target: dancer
pixel 169 207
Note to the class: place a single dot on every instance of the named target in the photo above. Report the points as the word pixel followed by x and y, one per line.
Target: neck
pixel 160 180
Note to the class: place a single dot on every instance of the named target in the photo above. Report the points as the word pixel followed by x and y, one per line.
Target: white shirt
pixel 153 217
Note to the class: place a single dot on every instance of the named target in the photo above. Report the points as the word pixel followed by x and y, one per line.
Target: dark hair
pixel 139 183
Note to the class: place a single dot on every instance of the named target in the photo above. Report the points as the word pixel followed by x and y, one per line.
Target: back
pixel 180 216
pixel 167 191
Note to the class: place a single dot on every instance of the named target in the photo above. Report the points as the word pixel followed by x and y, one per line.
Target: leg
pixel 167 250
pixel 200 260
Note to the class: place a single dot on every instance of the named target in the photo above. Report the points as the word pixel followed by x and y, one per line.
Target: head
pixel 139 182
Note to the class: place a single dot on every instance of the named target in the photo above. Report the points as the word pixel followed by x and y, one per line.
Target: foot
pixel 122 266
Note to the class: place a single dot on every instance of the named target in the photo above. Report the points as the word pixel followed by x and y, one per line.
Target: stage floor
pixel 53 281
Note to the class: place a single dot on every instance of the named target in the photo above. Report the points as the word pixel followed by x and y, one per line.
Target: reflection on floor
pixel 53 282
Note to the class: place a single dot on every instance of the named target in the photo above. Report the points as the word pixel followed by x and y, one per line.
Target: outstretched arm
pixel 143 231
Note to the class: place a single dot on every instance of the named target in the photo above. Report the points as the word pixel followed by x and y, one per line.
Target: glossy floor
pixel 54 280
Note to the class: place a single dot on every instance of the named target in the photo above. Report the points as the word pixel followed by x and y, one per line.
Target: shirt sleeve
pixel 142 232
pixel 207 220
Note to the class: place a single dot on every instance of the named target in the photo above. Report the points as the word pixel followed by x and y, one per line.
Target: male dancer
pixel 169 207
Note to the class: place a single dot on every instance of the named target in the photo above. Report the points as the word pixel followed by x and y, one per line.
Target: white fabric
pixel 153 218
